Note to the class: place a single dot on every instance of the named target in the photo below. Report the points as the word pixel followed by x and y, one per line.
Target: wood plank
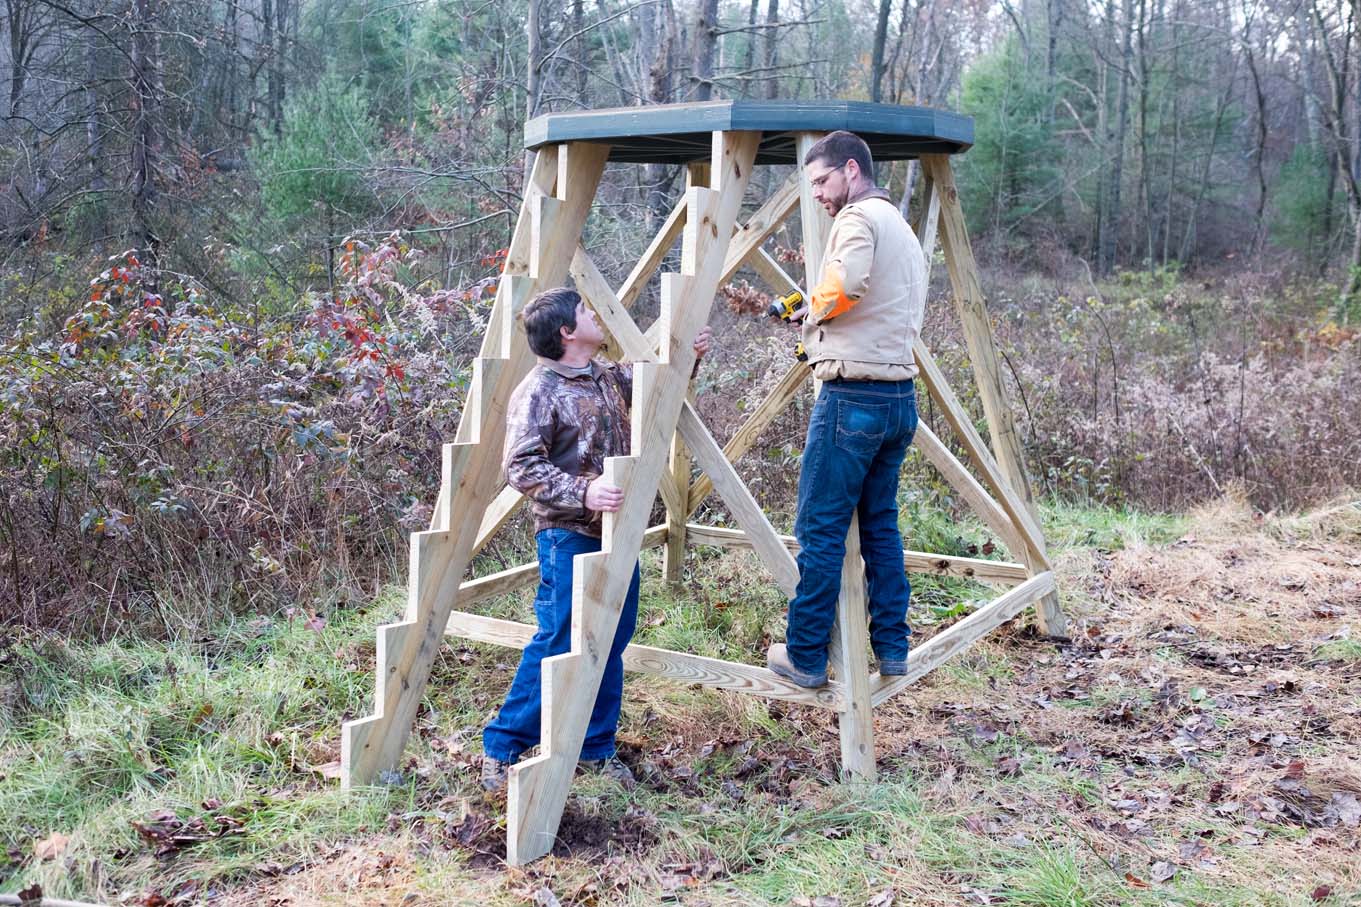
pixel 928 219
pixel 969 301
pixel 789 386
pixel 653 255
pixel 748 514
pixel 679 666
pixel 471 475
pixel 960 479
pixel 950 642
pixel 677 480
pixel 968 436
pixel 849 657
pixel 977 326
pixel 497 514
pixel 767 219
pixel 591 284
pixel 776 277
pixel 538 787
pixel 1001 572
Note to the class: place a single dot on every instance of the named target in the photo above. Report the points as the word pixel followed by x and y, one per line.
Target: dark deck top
pixel 680 133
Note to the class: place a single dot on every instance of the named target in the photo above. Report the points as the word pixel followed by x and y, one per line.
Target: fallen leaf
pixel 51 847
pixel 545 898
pixel 31 896
pixel 884 898
pixel 1135 881
pixel 1162 871
pixel 315 623
pixel 329 771
pixel 1320 892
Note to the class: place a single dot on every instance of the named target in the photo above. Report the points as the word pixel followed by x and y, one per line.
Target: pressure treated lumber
pixel 538 787
pixel 470 472
pixel 1001 572
pixel 1015 499
pixel 743 507
pixel 973 314
pixel 679 666
pixel 949 642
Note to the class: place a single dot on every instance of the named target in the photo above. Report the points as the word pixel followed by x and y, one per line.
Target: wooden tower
pixel 721 142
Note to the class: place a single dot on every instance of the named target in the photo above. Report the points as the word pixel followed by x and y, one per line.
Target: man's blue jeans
pixel 857 438
pixel 517 727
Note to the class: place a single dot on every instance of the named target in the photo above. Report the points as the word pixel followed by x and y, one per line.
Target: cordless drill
pixel 784 309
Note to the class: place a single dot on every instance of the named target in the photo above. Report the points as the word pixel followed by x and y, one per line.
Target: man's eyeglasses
pixel 820 181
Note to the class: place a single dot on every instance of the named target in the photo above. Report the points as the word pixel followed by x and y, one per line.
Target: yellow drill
pixel 784 309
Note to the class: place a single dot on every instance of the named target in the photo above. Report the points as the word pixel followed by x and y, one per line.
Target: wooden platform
pixel 680 133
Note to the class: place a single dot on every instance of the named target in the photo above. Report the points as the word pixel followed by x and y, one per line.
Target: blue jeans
pixel 517 727
pixel 857 438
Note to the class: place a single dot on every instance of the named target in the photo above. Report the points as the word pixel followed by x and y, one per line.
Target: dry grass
pixel 1190 746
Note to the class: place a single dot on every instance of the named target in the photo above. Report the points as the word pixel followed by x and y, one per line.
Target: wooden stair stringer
pixel 471 466
pixel 537 789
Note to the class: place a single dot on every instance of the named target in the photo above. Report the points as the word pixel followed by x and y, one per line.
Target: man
pixel 569 414
pixel 862 319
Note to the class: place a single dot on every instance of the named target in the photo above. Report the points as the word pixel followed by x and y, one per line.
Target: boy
pixel 569 414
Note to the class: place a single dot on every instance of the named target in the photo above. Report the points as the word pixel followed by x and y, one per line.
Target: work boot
pixel 777 659
pixel 494 774
pixel 612 768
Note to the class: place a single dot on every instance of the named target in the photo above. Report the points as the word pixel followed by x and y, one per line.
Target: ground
pixel 1197 742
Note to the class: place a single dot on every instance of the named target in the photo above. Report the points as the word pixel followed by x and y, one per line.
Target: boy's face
pixel 588 334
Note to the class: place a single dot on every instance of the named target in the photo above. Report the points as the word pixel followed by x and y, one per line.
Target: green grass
pixel 1069 525
pixel 96 737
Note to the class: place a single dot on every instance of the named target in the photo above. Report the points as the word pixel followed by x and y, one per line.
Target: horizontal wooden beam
pixel 950 642
pixel 680 666
pixel 494 584
pixel 1002 572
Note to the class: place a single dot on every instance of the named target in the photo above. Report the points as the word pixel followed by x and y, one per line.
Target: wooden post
pixel 969 302
pixel 850 636
pixel 677 477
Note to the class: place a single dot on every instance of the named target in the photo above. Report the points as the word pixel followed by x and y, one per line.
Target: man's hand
pixel 703 340
pixel 798 315
pixel 602 496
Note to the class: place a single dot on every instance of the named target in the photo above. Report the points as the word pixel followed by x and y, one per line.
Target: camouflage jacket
pixel 560 428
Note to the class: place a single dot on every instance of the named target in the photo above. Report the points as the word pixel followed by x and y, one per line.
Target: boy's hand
pixel 703 340
pixel 602 496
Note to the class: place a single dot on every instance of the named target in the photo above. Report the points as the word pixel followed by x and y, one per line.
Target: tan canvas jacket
pixel 867 310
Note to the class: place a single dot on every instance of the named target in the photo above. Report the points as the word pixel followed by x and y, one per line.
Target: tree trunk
pixel 583 50
pixel 659 92
pixel 705 40
pixel 770 54
pixel 146 132
pixel 1110 224
pixel 877 56
pixel 94 140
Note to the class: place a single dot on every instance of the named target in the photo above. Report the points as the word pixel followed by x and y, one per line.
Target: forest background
pixel 247 248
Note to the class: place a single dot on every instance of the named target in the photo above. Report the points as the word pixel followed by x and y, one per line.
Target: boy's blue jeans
pixel 516 728
pixel 857 438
